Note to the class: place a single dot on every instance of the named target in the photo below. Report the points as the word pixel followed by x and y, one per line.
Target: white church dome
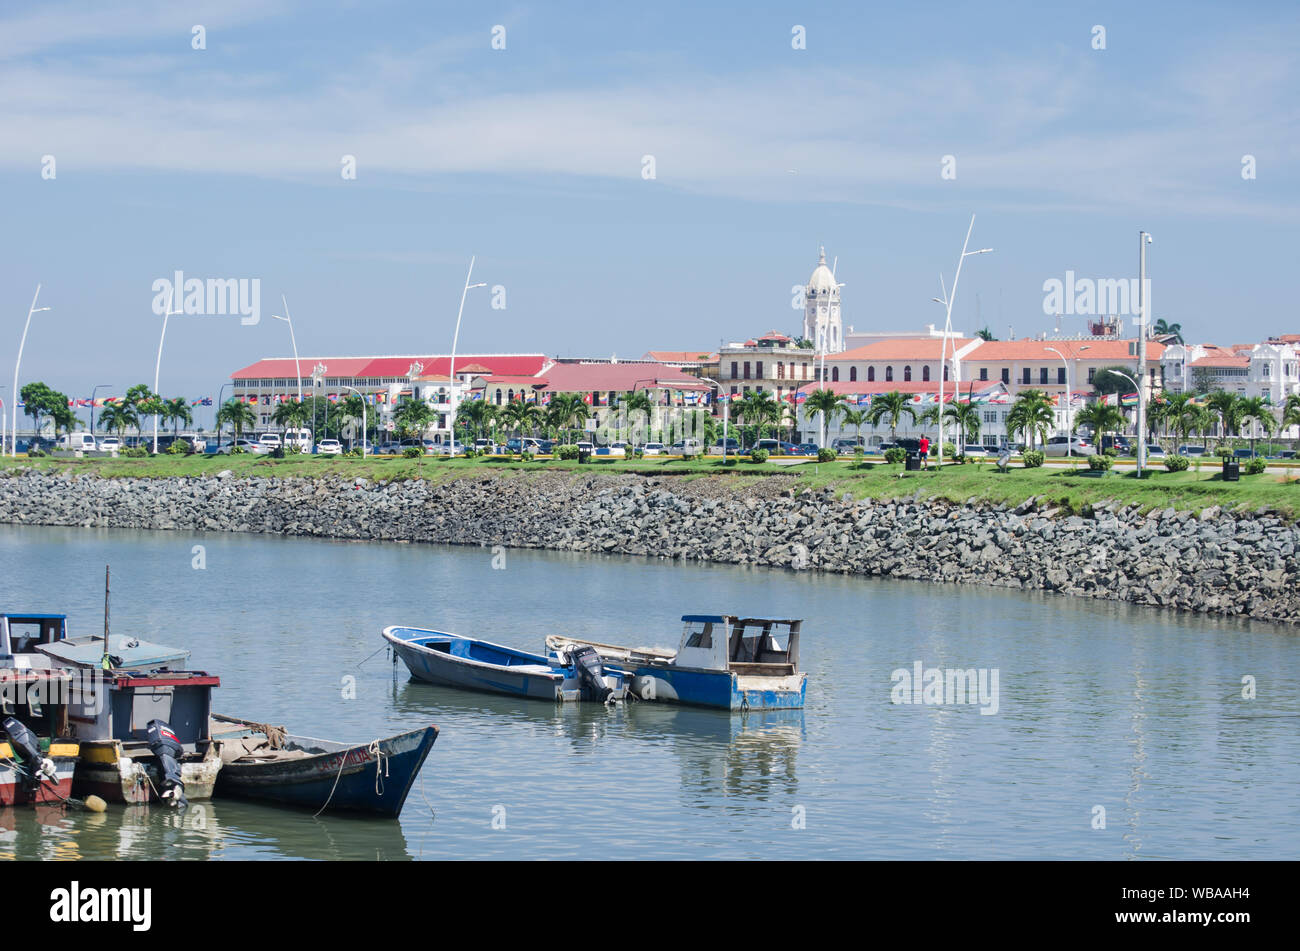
pixel 822 280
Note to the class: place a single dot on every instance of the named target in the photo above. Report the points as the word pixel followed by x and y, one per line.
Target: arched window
pixel 871 374
pixel 498 397
pixel 945 373
pixel 853 374
pixel 925 374
pixel 780 370
pixel 907 374
pixel 835 374
pixel 889 374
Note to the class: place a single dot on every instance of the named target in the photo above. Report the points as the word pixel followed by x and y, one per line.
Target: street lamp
pixel 93 390
pixel 158 366
pixel 946 301
pixel 297 367
pixel 1141 444
pixel 1143 304
pixel 32 310
pixel 726 414
pixel 363 416
pixel 451 367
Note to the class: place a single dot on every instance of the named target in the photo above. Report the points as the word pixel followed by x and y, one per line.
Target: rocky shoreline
pixel 1208 561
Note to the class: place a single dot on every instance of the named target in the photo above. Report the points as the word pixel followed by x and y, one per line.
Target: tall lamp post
pixel 946 301
pixel 93 390
pixel 13 450
pixel 451 367
pixel 1141 461
pixel 158 366
pixel 297 367
pixel 1143 306
pixel 726 414
pixel 363 416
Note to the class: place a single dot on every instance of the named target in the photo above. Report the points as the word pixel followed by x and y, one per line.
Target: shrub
pixel 758 455
pixel 566 452
pixel 277 452
pixel 895 455
pixel 525 456
pixel 858 453
pixel 1255 466
pixel 949 451
pixel 1223 452
pixel 1176 463
pixel 35 453
pixel 294 450
pixel 1110 451
pixel 180 447
pixel 240 450
pixel 826 455
pixel 354 452
pixel 729 461
pixel 412 452
pixel 135 452
pixel 1100 463
pixel 1032 458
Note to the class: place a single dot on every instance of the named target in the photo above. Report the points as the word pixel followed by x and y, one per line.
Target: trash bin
pixel 913 463
pixel 1231 470
pixel 584 456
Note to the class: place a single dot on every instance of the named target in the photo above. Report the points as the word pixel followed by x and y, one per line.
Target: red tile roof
pixel 681 356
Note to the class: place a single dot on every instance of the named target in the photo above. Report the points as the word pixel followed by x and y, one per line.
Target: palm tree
pixel 177 412
pixel 1101 418
pixel 520 417
pixel 758 409
pixel 1254 409
pixel 412 418
pixel 1291 411
pixel 238 414
pixel 352 408
pixel 478 415
pixel 567 410
pixel 985 334
pixel 1227 406
pixel 288 414
pixel 829 405
pixel 1164 329
pixel 967 418
pixel 117 417
pixel 1031 415
pixel 891 406
pixel 854 418
pixel 638 401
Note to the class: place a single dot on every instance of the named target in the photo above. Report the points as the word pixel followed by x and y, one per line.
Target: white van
pixel 82 442
pixel 298 437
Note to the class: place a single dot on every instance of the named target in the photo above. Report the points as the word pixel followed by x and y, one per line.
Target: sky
pixel 126 154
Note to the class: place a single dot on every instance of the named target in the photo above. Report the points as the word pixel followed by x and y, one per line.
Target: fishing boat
pixel 736 663
pixel 264 762
pixel 37 757
pixel 473 664
pixel 21 634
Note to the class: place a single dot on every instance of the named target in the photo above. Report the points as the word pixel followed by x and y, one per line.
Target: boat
pixel 726 661
pixel 20 634
pixel 37 756
pixel 473 664
pixel 264 762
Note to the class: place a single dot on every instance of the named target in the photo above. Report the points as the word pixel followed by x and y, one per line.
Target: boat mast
pixel 104 662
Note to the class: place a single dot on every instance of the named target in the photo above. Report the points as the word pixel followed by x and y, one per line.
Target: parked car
pixel 1068 446
pixel 485 445
pixel 772 446
pixel 245 444
pixel 1153 451
pixel 616 449
pixel 807 449
pixel 1284 454
pixel 1242 453
pixel 329 447
pixel 654 449
pixel 976 451
pixel 845 447
pixel 1119 443
pixel 298 437
pixel 1191 450
pixel 731 445
pixel 84 442
pixel 110 443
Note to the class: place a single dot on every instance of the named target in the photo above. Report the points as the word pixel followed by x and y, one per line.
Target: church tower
pixel 821 309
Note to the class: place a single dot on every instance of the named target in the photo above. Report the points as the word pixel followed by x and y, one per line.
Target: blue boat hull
pixel 431 667
pixel 351 779
pixel 720 689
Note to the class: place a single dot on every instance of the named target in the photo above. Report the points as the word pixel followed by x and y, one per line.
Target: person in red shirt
pixel 925 452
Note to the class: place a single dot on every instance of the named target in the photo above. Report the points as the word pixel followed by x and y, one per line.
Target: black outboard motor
pixel 28 748
pixel 164 745
pixel 591 674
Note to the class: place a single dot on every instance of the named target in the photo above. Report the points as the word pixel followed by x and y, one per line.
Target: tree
pixel 412 418
pixel 352 408
pixel 1031 415
pixel 117 416
pixel 1101 418
pixel 567 411
pixel 1112 380
pixel 892 406
pixel 177 412
pixel 1228 407
pixel 520 417
pixel 1291 411
pixel 64 419
pixel 854 418
pixel 985 334
pixel 477 416
pixel 638 401
pixel 238 414
pixel 757 409
pixel 1253 409
pixel 829 405
pixel 39 400
pixel 967 418
pixel 1164 329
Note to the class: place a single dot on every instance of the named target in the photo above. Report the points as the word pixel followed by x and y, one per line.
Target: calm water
pixel 1132 710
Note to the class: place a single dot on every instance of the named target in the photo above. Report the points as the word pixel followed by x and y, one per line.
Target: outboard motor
pixel 28 748
pixel 591 673
pixel 164 745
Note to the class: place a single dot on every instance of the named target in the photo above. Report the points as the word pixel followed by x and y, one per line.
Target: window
pixel 907 374
pixel 746 369
pixel 925 374
pixel 700 635
pixel 889 374
pixel 853 374
pixel 1042 374
pixel 945 374
pixel 734 368
pixel 1092 372
pixel 871 374
pixel 984 373
pixel 1025 377
pixel 835 374
pixel 758 369
pixel 780 371
pixel 1006 374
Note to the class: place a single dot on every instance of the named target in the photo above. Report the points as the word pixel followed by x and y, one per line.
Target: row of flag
pixel 101 401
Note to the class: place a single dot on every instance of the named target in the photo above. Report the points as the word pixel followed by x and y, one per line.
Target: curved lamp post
pixel 363 416
pixel 451 367
pixel 1138 389
pixel 297 367
pixel 13 450
pixel 946 301
pixel 158 365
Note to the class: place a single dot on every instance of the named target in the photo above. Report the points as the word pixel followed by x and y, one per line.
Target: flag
pixel 802 397
pixel 333 397
pixel 864 399
pixel 1128 399
pixel 1112 400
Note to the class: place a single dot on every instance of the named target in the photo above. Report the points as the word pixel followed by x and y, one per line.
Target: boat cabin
pixel 21 634
pixel 743 645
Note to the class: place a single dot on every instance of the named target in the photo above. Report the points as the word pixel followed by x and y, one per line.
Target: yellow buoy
pixel 95 804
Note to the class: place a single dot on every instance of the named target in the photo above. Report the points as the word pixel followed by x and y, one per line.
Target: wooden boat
pixel 37 757
pixel 723 661
pixel 473 664
pixel 263 762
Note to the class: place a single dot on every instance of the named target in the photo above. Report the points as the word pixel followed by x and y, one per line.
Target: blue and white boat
pixel 473 664
pixel 735 663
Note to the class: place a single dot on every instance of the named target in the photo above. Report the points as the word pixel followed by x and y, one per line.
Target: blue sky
pixel 225 163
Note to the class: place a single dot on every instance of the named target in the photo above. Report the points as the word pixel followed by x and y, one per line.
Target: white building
pixel 822 322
